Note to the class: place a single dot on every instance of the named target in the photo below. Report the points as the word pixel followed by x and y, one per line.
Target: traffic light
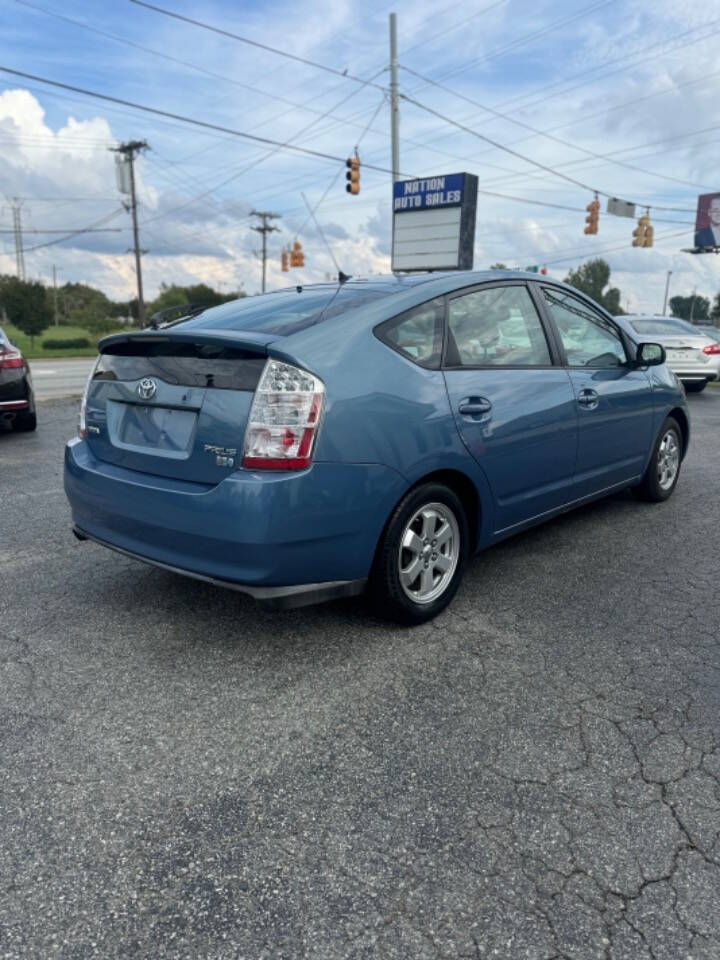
pixel 297 257
pixel 353 174
pixel 284 261
pixel 593 209
pixel 643 232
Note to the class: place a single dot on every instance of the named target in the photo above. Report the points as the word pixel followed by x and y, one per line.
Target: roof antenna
pixel 343 277
pixel 320 231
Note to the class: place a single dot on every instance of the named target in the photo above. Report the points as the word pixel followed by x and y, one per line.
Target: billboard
pixel 707 221
pixel 434 223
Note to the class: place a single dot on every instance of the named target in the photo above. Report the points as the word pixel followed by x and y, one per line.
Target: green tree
pixel 593 278
pixel 85 306
pixel 715 315
pixel 26 305
pixel 498 266
pixel 198 294
pixel 684 308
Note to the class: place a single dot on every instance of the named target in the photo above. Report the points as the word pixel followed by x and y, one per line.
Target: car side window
pixel 588 338
pixel 417 334
pixel 496 326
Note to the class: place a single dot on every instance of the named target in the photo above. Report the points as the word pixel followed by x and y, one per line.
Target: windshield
pixel 288 311
pixel 662 325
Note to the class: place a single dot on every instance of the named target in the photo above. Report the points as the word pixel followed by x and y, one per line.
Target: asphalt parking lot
pixel 534 775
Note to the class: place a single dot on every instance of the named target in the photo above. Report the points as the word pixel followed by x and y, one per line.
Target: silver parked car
pixel 692 354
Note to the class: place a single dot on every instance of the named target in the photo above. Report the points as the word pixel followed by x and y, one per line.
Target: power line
pixel 548 135
pixel 76 233
pixel 311 213
pixel 254 163
pixel 456 26
pixel 255 43
pixel 313 210
pixel 183 119
pixel 185 63
pixel 524 102
pixel 521 41
pixel 526 159
pixel 593 253
pixel 607 63
pixel 65 230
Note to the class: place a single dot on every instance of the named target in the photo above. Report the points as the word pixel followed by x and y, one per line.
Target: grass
pixel 38 352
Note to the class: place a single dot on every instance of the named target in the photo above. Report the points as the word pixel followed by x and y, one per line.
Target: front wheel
pixel 421 556
pixel 695 386
pixel 663 471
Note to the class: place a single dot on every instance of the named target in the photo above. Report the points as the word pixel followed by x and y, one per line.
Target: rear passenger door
pixel 513 403
pixel 614 398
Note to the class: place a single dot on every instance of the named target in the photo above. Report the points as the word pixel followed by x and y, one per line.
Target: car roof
pixel 396 281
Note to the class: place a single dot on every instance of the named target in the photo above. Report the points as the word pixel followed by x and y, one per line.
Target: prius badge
pixel 146 389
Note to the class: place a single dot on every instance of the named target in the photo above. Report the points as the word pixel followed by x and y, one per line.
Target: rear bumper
pixel 285 538
pixel 273 598
pixel 695 372
pixel 15 393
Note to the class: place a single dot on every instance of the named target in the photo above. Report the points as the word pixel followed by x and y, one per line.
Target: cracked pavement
pixel 534 775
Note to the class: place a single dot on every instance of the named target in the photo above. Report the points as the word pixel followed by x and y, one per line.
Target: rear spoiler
pixel 241 340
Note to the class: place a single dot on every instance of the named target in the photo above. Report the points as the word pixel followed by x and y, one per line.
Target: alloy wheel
pixel 429 552
pixel 668 460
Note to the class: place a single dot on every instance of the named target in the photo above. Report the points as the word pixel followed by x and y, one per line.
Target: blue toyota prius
pixel 325 440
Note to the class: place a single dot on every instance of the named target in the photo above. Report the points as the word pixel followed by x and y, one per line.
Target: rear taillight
pixel 11 359
pixel 82 422
pixel 712 348
pixel 284 419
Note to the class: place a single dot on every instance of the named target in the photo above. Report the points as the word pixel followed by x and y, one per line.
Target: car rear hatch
pixel 174 404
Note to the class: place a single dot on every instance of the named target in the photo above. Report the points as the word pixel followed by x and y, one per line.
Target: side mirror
pixel 650 354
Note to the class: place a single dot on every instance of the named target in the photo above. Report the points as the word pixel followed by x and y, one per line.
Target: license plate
pixel 157 428
pixel 679 354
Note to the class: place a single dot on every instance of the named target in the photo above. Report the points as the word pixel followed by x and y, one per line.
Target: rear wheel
pixel 695 386
pixel 24 422
pixel 421 556
pixel 663 471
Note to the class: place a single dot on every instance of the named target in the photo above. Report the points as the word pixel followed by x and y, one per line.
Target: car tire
pixel 663 470
pixel 25 422
pixel 695 386
pixel 407 546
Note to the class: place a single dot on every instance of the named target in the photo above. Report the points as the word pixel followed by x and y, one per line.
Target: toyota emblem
pixel 147 388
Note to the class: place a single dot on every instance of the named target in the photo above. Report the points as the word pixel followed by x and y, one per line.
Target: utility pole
pixel 265 228
pixel 128 151
pixel 667 290
pixel 55 310
pixel 16 207
pixel 394 108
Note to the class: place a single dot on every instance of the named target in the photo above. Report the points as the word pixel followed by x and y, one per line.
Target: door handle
pixel 474 406
pixel 589 399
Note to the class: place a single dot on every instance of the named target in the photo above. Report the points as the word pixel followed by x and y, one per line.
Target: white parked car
pixel 692 354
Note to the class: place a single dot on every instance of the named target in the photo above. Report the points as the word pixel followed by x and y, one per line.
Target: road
pixel 536 774
pixel 60 378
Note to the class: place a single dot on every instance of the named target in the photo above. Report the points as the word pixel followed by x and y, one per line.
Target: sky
pixel 621 96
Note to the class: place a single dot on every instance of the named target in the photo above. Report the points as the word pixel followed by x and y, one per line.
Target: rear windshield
pixel 287 311
pixel 662 325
